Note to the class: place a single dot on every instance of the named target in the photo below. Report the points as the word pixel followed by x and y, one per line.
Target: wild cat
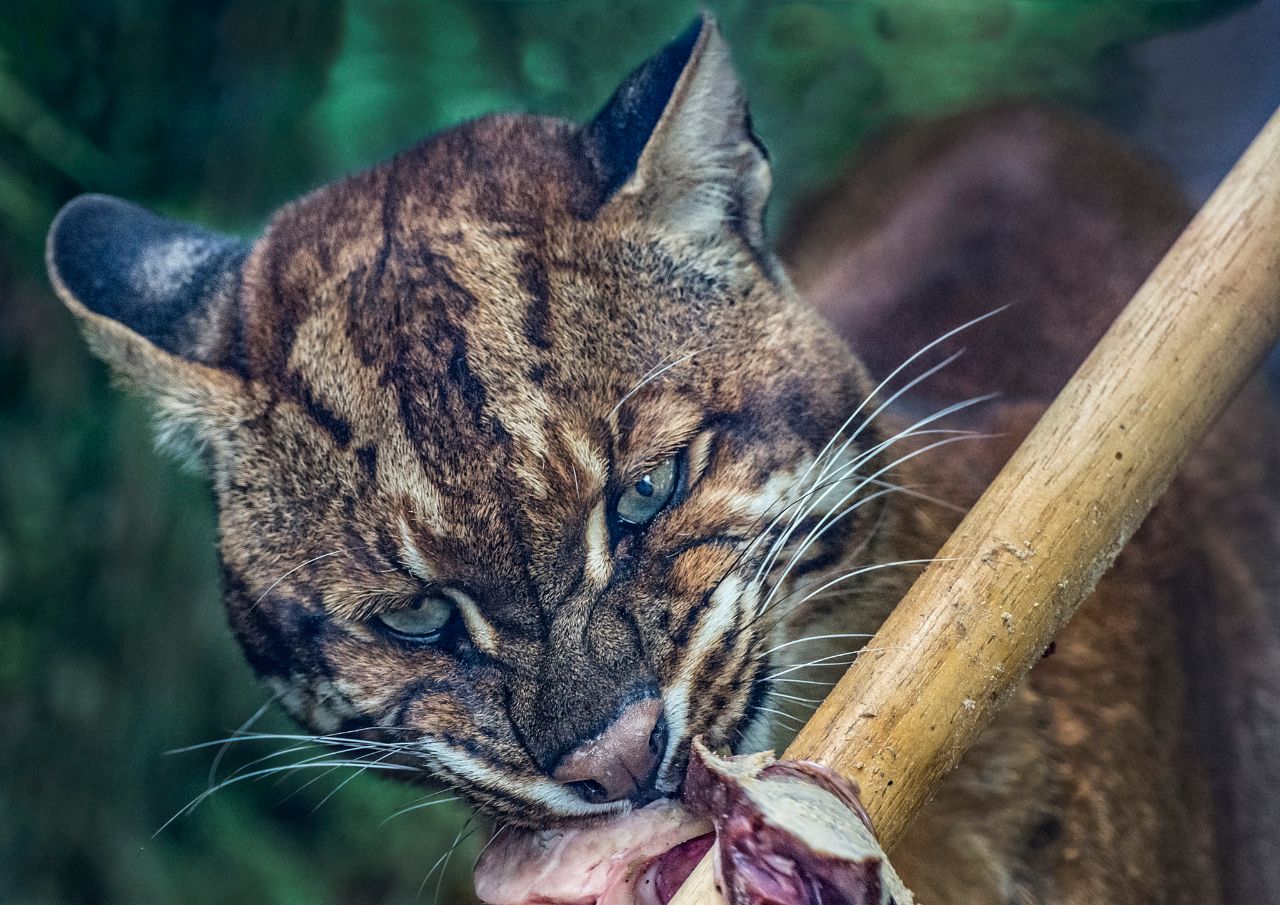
pixel 532 465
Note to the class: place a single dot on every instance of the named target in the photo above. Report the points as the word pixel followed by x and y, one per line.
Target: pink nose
pixel 622 762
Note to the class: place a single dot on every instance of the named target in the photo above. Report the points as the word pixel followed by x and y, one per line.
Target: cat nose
pixel 621 762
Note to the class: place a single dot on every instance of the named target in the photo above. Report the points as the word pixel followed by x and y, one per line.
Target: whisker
pixel 449 855
pixel 823 662
pixel 815 535
pixel 928 498
pixel 791 697
pixel 780 713
pixel 332 738
pixel 649 378
pixel 899 369
pixel 442 863
pixel 427 802
pixel 779 647
pixel 912 431
pixel 833 455
pixel 275 754
pixel 495 835
pixel 827 447
pixel 900 460
pixel 271 771
pixel 830 455
pixel 243 728
pixel 849 472
pixel 840 579
pixel 339 787
pixel 273 584
pixel 820 593
pixel 897 394
pixel 764 532
pixel 315 762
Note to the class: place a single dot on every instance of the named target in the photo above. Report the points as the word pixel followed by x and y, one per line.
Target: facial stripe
pixel 731 598
pixel 528 789
pixel 587 465
pixel 699 454
pixel 599 565
pixel 482 633
pixel 412 557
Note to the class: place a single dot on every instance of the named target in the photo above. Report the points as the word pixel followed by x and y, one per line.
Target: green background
pixel 113 648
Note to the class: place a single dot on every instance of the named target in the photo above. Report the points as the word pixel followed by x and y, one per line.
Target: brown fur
pixel 1131 768
pixel 436 376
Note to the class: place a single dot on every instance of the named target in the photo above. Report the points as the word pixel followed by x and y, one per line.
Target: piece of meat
pixel 789 833
pixel 629 860
pixel 785 833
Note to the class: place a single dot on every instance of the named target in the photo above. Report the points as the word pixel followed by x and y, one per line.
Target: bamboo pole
pixel 1058 513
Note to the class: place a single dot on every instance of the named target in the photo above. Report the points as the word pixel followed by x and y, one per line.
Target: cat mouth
pixel 637 858
pixel 786 832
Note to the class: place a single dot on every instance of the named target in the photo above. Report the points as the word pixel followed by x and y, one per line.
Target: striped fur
pixel 435 376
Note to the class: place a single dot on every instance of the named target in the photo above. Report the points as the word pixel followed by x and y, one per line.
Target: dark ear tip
pixel 619 132
pixel 80 221
pixel 152 274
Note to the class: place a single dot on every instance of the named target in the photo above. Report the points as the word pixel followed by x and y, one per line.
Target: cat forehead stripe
pixel 412 557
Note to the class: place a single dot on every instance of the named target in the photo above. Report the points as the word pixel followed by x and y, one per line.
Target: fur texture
pixel 1137 764
pixel 436 377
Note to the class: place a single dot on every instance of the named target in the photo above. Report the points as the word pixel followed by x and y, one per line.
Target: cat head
pixel 503 434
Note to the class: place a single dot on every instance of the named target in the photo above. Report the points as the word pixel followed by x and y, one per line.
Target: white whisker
pixel 863 570
pixel 823 662
pixel 764 606
pixel 339 787
pixel 427 802
pixel 781 713
pixel 815 535
pixel 649 378
pixel 850 469
pixel 779 647
pixel 898 370
pixel 791 697
pixel 243 728
pixel 272 771
pixel 273 584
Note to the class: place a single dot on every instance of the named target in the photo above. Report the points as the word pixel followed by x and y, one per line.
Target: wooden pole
pixel 1058 513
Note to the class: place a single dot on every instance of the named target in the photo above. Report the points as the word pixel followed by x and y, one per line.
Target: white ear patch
pixel 167 269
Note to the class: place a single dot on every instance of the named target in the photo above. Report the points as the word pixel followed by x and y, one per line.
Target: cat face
pixel 505 434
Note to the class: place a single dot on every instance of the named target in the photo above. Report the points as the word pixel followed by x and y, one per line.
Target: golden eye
pixel 422 621
pixel 644 499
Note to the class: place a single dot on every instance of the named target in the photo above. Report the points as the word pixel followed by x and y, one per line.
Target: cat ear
pixel 155 298
pixel 676 137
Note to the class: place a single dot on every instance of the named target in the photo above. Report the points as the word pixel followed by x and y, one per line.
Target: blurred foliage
pixel 112 644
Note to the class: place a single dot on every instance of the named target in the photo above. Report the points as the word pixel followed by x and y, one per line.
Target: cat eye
pixel 642 500
pixel 422 621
